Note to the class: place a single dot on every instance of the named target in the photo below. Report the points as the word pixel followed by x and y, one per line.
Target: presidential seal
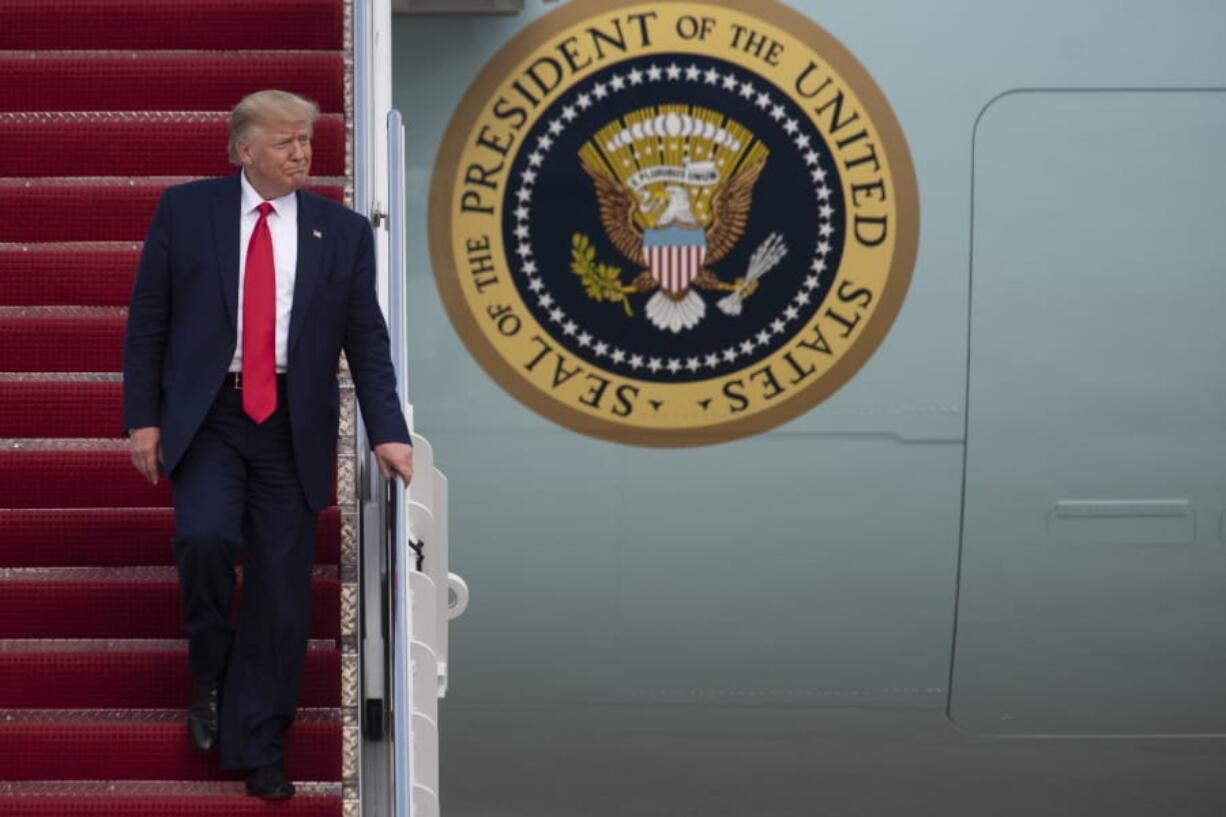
pixel 673 223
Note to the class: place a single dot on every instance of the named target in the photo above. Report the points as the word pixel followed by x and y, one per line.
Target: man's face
pixel 277 157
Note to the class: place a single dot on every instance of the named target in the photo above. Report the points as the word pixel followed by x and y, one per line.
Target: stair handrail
pixel 401 607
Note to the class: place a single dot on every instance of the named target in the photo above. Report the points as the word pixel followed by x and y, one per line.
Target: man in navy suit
pixel 249 288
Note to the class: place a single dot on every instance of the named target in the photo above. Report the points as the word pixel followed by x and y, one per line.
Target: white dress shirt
pixel 283 227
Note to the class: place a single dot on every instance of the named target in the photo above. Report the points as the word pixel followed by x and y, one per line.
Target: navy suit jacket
pixel 182 332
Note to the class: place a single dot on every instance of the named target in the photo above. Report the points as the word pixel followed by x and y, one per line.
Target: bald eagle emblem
pixel 674 186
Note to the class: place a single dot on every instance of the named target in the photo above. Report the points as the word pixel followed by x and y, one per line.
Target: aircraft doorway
pixel 1092 591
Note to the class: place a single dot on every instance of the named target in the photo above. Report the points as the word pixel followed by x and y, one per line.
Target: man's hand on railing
pixel 395 459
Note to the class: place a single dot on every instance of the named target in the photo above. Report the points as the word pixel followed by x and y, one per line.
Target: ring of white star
pixel 731 82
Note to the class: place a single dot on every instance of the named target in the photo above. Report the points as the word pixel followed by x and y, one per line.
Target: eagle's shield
pixel 675 256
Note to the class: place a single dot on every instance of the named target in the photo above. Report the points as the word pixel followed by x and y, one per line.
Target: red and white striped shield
pixel 675 256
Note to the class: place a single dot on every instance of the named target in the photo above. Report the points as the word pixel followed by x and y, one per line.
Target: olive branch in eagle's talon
pixel 601 282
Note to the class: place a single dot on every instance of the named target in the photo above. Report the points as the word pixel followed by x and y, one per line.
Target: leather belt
pixel 235 380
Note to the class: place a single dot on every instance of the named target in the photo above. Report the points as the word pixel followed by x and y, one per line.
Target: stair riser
pixel 149 83
pixel 77 479
pixel 114 538
pixel 80 479
pixel 41 150
pixel 123 609
pixel 137 680
pixel 56 344
pixel 47 410
pixel 67 277
pixel 147 751
pixel 215 25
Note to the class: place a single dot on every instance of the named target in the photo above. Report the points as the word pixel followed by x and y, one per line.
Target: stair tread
pixel 134 717
pixel 61 377
pixel 70 247
pixel 15 446
pixel 52 311
pixel 158 804
pixel 143 573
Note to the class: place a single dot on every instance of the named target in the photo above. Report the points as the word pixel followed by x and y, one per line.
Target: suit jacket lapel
pixel 310 253
pixel 224 210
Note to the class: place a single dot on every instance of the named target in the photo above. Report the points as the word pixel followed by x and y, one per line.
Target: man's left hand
pixel 395 459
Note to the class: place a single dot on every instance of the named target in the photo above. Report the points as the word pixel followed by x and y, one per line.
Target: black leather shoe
pixel 202 717
pixel 269 783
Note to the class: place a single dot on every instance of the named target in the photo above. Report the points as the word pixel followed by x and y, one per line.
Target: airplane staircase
pixel 104 103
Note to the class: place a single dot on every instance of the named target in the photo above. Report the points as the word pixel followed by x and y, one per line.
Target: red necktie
pixel 260 323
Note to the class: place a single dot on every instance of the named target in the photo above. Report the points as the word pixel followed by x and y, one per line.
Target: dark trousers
pixel 236 493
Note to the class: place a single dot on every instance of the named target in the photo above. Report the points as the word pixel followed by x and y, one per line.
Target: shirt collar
pixel 286 206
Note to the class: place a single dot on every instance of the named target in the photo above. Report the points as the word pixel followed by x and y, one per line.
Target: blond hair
pixel 269 107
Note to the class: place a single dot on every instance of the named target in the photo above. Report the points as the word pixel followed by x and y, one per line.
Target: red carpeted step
pixel 75 476
pixel 216 24
pixel 121 603
pixel 92 146
pixel 106 210
pixel 114 537
pixel 161 82
pixel 128 674
pixel 60 408
pixel 160 799
pixel 149 745
pixel 96 274
pixel 101 477
pixel 61 342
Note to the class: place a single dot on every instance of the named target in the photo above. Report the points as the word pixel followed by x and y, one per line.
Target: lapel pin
pixel 317 233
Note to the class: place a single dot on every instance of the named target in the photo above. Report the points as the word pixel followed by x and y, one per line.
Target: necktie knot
pixel 265 208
